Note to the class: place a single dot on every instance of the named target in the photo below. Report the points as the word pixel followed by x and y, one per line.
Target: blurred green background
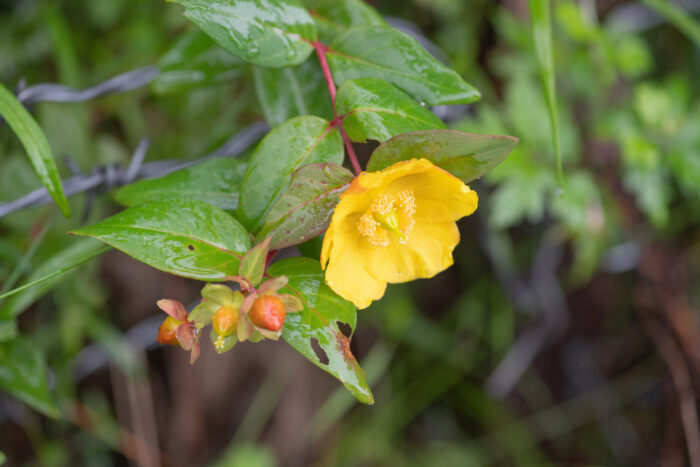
pixel 565 334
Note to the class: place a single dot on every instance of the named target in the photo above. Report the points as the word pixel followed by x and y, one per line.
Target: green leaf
pixel 23 374
pixel 374 109
pixel 333 17
pixel 46 276
pixel 195 60
pixel 464 155
pixel 217 182
pixel 253 264
pixel 304 210
pixel 389 54
pixel 187 238
pixel 36 145
pixel 271 33
pixel 299 141
pixel 319 324
pixel 288 92
pixel 8 329
pixel 541 17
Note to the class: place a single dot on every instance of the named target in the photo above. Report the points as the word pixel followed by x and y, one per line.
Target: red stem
pixel 351 152
pixel 321 50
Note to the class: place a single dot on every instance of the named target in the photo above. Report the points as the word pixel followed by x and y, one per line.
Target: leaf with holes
pixel 23 374
pixel 217 182
pixel 464 155
pixel 375 109
pixel 270 33
pixel 391 55
pixel 195 60
pixel 187 238
pixel 289 92
pixel 321 331
pixel 304 210
pixel 299 141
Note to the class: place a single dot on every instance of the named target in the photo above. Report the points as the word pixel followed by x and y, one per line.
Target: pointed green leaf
pixel 269 33
pixel 34 142
pixel 187 238
pixel 289 92
pixel 375 109
pixel 253 264
pixel 23 374
pixel 299 141
pixel 304 210
pixel 464 155
pixel 195 60
pixel 217 182
pixel 391 55
pixel 315 331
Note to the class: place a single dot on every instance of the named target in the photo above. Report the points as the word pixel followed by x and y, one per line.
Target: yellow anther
pixel 369 228
pixel 393 213
pixel 219 344
pixel 383 204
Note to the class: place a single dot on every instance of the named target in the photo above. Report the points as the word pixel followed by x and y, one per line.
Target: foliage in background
pixel 629 140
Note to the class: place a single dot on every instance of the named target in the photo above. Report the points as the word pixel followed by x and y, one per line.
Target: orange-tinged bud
pixel 268 312
pixel 167 331
pixel 224 320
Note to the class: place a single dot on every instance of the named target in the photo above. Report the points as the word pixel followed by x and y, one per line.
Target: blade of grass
pixel 55 273
pixel 541 22
pixel 36 145
pixel 26 258
pixel 679 18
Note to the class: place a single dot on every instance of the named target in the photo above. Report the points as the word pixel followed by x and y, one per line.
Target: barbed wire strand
pixel 103 178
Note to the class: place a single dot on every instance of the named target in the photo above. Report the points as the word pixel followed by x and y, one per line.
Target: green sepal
pixel 222 344
pixel 253 263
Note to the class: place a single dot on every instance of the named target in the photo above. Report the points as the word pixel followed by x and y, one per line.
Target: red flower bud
pixel 268 312
pixel 224 320
pixel 167 331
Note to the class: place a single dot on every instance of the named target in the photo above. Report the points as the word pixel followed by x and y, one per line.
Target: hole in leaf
pixel 344 328
pixel 190 247
pixel 318 350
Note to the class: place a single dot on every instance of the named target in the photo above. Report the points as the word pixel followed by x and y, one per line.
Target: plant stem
pixel 321 53
pixel 351 152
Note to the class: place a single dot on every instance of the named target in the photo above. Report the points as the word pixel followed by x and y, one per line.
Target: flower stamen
pixel 393 212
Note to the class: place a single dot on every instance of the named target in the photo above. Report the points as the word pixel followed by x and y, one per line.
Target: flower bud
pixel 167 331
pixel 224 320
pixel 268 312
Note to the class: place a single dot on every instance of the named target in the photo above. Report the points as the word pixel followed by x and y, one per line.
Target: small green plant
pixel 376 81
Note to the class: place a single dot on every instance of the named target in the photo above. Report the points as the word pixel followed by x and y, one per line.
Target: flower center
pixel 388 213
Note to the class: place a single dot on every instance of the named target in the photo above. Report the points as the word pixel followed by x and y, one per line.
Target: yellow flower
pixel 393 226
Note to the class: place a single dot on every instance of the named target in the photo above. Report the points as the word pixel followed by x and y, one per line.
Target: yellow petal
pixel 427 251
pixel 438 187
pixel 346 274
